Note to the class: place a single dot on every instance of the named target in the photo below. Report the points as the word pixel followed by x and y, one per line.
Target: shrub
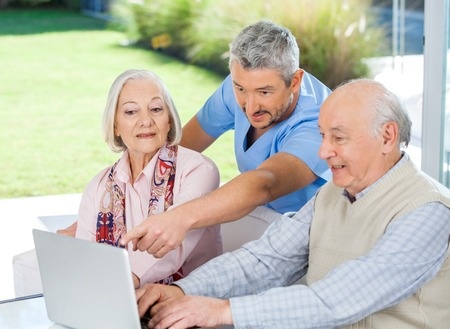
pixel 23 4
pixel 27 3
pixel 157 24
pixel 216 25
pixel 334 36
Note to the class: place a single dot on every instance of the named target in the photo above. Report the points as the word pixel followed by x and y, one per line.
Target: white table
pixel 26 313
pixel 30 313
pixel 19 217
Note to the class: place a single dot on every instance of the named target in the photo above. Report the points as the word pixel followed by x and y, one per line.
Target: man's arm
pixel 405 258
pixel 194 137
pixel 279 175
pixel 223 277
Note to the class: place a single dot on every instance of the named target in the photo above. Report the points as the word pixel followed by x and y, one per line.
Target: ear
pixel 297 80
pixel 116 131
pixel 390 137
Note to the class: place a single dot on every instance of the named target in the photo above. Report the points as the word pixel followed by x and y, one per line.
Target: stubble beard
pixel 279 113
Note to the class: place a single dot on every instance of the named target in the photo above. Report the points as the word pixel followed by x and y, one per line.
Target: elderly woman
pixel 153 175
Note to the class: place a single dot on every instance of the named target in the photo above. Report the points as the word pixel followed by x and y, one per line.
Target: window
pixel 436 92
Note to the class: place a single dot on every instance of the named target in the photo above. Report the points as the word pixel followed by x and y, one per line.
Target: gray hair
pixel 115 143
pixel 266 45
pixel 386 107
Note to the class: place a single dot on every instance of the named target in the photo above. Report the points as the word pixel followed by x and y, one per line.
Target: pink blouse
pixel 195 176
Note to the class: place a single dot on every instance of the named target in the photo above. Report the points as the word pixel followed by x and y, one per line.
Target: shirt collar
pixel 404 158
pixel 122 171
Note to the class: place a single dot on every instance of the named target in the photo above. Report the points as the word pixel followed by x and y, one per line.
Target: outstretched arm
pixel 279 175
pixel 194 137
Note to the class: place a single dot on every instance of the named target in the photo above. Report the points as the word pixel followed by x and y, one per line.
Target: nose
pixel 250 103
pixel 146 119
pixel 325 149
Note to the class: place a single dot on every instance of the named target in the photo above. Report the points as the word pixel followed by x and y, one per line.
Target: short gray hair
pixel 386 107
pixel 115 143
pixel 266 45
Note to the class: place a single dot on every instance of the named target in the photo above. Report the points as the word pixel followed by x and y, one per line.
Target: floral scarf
pixel 111 221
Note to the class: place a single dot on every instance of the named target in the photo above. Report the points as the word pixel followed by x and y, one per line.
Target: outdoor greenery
pixel 334 36
pixel 68 4
pixel 56 69
pixel 57 66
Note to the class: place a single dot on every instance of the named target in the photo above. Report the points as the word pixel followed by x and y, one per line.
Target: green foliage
pixel 213 29
pixel 54 80
pixel 42 21
pixel 72 4
pixel 24 4
pixel 29 3
pixel 334 36
pixel 158 24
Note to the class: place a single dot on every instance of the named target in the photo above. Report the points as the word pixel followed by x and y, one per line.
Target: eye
pixel 130 111
pixel 239 89
pixel 265 92
pixel 339 139
pixel 156 109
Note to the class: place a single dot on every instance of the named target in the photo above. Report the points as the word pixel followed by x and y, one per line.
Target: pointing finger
pixel 135 234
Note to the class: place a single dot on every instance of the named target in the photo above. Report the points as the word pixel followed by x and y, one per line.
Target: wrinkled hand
pixel 152 293
pixel 158 234
pixel 136 281
pixel 70 230
pixel 191 311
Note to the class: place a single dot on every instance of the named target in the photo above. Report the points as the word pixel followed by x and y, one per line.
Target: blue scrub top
pixel 297 135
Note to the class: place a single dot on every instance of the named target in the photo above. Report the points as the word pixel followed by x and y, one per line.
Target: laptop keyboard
pixel 144 322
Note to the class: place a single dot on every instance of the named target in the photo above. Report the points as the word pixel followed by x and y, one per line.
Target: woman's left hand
pixel 70 230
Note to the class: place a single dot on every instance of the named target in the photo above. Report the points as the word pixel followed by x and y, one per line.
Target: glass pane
pixel 446 166
pixel 401 71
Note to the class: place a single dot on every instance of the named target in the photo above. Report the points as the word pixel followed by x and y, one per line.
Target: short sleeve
pixel 217 114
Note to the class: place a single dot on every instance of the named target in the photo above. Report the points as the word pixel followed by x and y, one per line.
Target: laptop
pixel 86 284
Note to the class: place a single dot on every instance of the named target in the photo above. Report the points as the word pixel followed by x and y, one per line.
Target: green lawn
pixel 55 70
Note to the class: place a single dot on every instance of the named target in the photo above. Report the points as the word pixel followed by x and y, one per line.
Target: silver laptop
pixel 86 284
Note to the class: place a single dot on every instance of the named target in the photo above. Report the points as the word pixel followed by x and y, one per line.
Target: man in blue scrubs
pixel 273 107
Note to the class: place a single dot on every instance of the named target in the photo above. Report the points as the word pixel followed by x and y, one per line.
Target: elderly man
pixel 374 242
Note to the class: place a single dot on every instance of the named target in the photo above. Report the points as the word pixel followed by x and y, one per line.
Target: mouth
pixel 147 135
pixel 336 166
pixel 258 116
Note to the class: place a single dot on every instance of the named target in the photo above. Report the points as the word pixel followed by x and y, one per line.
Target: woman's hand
pixel 70 230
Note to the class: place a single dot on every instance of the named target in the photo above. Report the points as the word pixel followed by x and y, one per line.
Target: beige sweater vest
pixel 341 231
